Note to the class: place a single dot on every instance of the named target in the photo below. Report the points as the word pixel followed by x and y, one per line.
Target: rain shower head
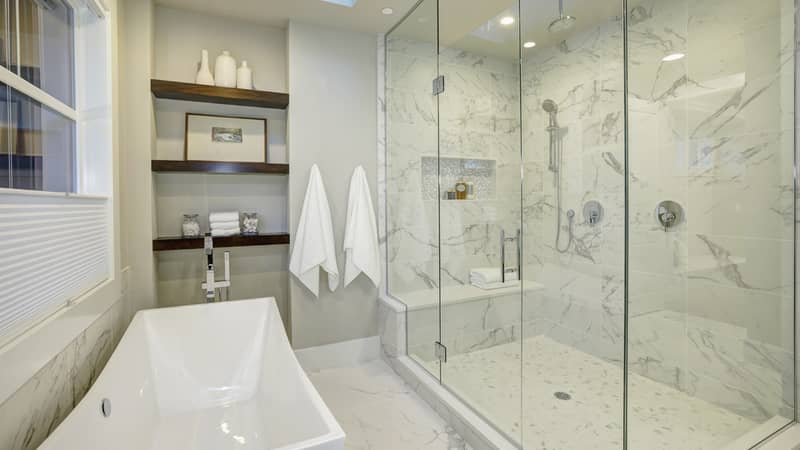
pixel 564 21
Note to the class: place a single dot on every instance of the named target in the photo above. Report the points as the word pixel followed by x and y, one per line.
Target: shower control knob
pixel 592 212
pixel 669 214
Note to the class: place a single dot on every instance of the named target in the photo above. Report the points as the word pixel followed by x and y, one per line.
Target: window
pixel 40 144
pixel 37 144
pixel 55 157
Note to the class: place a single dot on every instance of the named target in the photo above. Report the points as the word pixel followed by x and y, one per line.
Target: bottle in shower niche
pixel 461 190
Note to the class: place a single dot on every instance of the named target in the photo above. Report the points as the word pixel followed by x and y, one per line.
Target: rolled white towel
pixel 225 232
pixel 224 225
pixel 486 275
pixel 229 216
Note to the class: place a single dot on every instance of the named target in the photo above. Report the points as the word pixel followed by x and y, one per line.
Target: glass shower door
pixel 711 230
pixel 480 198
pixel 412 167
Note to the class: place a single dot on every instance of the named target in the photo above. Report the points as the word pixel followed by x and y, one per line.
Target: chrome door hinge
pixel 438 85
pixel 440 351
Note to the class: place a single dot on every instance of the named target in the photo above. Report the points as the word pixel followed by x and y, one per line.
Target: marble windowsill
pixel 24 356
pixel 461 294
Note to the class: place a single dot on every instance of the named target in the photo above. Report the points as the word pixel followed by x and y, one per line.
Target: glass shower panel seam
pixel 439 181
pixel 626 224
pixel 794 218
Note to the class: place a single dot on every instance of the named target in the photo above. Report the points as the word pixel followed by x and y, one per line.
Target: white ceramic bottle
pixel 244 77
pixel 204 74
pixel 225 70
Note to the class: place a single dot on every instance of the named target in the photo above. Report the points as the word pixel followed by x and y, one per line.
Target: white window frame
pixel 22 85
pixel 94 160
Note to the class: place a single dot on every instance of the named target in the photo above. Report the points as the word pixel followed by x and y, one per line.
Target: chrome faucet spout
pixel 211 284
pixel 208 249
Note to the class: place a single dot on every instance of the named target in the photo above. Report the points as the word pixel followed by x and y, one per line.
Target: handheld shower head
pixel 550 106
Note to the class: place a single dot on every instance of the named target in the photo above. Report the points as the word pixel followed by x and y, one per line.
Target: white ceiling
pixel 471 25
pixel 364 16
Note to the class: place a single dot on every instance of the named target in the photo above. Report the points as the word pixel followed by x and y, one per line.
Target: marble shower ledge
pixel 461 294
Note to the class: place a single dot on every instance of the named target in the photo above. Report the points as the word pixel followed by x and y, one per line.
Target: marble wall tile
pixel 39 406
pixel 392 330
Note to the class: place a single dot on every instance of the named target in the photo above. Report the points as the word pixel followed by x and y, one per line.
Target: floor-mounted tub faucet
pixel 211 285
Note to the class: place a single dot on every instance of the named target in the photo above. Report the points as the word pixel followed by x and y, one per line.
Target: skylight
pixel 348 3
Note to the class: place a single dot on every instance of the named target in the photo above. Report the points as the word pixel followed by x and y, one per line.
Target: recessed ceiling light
pixel 348 3
pixel 387 11
pixel 529 44
pixel 507 20
pixel 673 57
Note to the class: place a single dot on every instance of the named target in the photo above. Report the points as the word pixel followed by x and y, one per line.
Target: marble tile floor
pixel 378 411
pixel 660 417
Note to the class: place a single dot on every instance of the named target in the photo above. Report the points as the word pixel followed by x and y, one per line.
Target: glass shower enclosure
pixel 590 210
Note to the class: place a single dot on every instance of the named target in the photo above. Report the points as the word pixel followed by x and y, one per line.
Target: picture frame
pixel 210 137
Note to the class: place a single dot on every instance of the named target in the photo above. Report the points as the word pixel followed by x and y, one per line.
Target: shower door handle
pixel 503 241
pixel 502 255
pixel 519 255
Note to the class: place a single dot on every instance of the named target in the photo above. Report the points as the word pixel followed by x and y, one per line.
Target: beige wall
pixel 181 35
pixel 137 133
pixel 333 123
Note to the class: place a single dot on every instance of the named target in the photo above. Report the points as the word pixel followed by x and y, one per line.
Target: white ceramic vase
pixel 225 70
pixel 244 77
pixel 204 74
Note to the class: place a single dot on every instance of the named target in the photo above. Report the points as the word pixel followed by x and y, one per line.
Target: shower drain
pixel 562 396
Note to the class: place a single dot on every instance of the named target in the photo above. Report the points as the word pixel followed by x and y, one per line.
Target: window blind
pixel 53 248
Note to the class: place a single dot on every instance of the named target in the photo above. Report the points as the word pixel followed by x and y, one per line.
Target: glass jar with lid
pixel 190 226
pixel 249 223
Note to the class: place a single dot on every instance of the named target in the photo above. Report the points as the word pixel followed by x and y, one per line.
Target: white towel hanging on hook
pixel 362 253
pixel 314 246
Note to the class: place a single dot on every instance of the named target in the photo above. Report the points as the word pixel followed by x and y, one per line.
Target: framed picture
pixel 225 138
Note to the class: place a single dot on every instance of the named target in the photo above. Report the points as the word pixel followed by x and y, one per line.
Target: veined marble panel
pixel 39 406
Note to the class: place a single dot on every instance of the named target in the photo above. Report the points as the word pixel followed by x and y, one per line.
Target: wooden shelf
pixel 163 165
pixel 176 90
pixel 182 243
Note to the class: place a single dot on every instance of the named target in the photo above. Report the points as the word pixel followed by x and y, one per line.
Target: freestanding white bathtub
pixel 217 376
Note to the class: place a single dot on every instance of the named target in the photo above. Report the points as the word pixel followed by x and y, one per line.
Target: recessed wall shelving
pixel 176 90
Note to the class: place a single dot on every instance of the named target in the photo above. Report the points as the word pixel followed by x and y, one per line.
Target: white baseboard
pixel 341 354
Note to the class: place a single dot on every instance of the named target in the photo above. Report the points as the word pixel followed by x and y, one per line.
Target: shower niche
pixel 479 172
